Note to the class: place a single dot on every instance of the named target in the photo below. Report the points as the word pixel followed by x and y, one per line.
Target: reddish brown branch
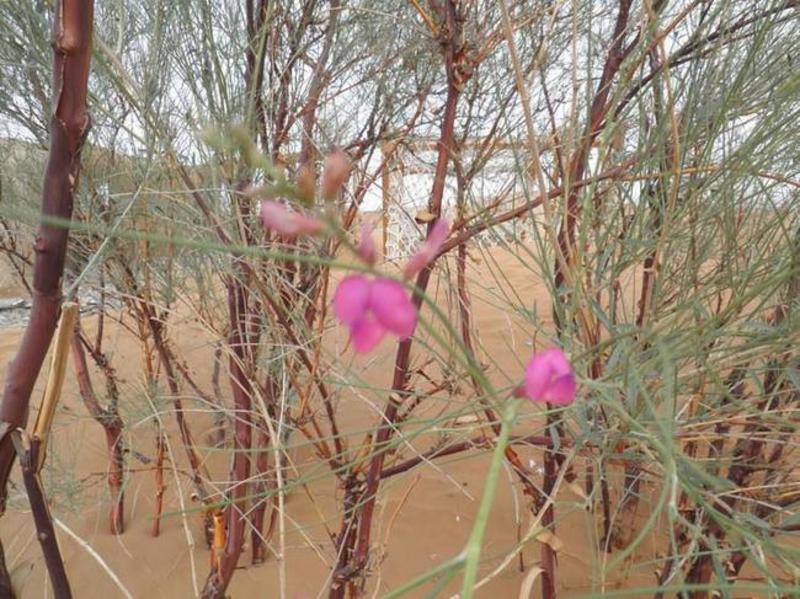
pixel 72 33
pixel 282 317
pixel 463 232
pixel 72 44
pixel 597 112
pixel 235 510
pixel 319 79
pixel 161 486
pixel 748 458
pixel 255 58
pixel 6 591
pixel 465 316
pixel 747 454
pixel 654 196
pixel 696 47
pixel 217 436
pixel 258 538
pixel 566 240
pixel 460 447
pixel 353 559
pixel 112 427
pixel 198 470
pixel 28 453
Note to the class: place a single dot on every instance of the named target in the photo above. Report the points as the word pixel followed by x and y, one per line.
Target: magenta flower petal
pixel 392 307
pixel 549 378
pixel 415 264
pixel 307 225
pixel 281 219
pixel 275 216
pixel 351 301
pixel 439 232
pixel 562 390
pixel 429 249
pixel 558 361
pixel 537 377
pixel 366 333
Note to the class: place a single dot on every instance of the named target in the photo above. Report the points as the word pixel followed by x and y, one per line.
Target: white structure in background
pixel 407 185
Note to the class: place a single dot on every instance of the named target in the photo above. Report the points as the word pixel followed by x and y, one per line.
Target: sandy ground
pixel 423 517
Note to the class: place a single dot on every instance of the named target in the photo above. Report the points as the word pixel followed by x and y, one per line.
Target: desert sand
pixel 423 517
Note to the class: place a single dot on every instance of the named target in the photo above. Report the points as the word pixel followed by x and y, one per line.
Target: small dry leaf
pixel 548 538
pixel 578 490
pixel 424 216
pixel 259 192
pixel 526 588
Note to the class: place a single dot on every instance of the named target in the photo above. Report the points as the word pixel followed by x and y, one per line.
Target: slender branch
pixel 112 427
pixel 28 452
pixel 349 565
pixel 462 446
pixel 219 578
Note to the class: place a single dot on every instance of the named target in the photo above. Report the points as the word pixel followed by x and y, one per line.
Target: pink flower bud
pixel 429 249
pixel 334 173
pixel 549 378
pixel 366 248
pixel 280 218
pixel 306 182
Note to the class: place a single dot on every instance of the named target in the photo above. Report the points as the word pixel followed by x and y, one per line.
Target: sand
pixel 422 518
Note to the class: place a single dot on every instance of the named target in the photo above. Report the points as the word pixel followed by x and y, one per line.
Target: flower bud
pixel 429 249
pixel 549 378
pixel 366 248
pixel 334 173
pixel 279 218
pixel 306 182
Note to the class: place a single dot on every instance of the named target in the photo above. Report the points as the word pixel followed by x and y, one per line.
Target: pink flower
pixel 549 378
pixel 371 307
pixel 429 249
pixel 281 219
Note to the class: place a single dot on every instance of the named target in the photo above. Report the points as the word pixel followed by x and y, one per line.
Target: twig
pixel 96 556
pixel 28 453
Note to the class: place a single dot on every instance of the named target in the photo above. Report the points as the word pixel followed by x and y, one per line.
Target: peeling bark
pixel 72 49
